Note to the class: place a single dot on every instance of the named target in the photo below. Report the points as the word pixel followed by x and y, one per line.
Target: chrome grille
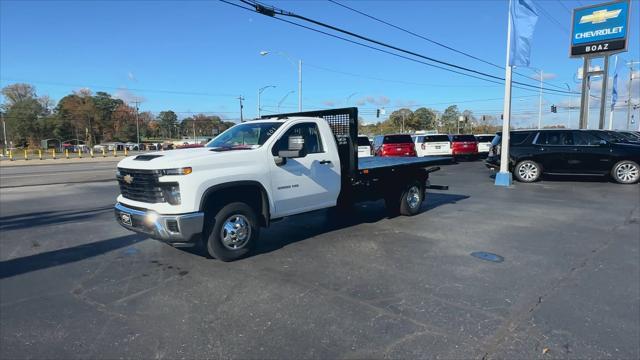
pixel 144 186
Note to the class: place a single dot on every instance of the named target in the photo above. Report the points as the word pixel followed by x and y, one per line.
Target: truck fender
pixel 225 188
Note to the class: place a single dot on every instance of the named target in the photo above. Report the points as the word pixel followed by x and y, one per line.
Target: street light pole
pixel 137 125
pixel 259 94
pixel 540 103
pixel 284 98
pixel 299 64
pixel 4 131
pixel 630 63
pixel 299 85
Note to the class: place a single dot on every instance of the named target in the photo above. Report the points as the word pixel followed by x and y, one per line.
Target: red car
pixel 394 145
pixel 464 146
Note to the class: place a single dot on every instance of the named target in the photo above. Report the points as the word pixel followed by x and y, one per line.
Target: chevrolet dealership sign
pixel 600 29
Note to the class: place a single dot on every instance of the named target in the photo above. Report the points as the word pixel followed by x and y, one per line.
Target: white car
pixel 364 147
pixel 434 144
pixel 484 143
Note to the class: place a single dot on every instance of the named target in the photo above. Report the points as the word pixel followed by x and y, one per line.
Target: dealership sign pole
pixel 598 31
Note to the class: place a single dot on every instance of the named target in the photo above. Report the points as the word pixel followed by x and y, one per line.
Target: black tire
pixel 626 172
pixel 527 171
pixel 402 203
pixel 220 246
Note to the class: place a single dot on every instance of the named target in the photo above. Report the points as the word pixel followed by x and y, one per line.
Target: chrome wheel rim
pixel 235 232
pixel 413 197
pixel 528 171
pixel 627 172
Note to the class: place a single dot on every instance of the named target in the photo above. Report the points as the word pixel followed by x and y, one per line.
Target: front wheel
pixel 234 233
pixel 527 171
pixel 626 172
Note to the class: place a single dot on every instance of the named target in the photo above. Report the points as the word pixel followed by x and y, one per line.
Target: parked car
pixel 484 143
pixel 364 147
pixel 568 152
pixel 464 146
pixel 428 145
pixel 393 145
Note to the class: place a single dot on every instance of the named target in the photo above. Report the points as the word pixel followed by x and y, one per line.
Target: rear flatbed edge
pixel 383 163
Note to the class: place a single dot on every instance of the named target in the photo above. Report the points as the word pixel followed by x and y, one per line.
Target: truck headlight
pixel 177 171
pixel 171 193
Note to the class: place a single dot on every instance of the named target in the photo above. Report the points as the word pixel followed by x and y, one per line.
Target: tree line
pixel 93 118
pixel 451 121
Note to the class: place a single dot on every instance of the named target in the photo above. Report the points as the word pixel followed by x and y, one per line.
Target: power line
pixel 269 11
pixel 429 40
pixel 565 7
pixel 556 22
pixel 389 80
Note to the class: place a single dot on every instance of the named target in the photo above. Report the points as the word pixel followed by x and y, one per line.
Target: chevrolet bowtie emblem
pixel 600 16
pixel 128 179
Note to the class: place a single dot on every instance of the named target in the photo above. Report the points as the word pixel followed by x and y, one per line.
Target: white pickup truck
pixel 259 171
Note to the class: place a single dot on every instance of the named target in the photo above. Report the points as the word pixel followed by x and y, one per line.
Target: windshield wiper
pixel 229 148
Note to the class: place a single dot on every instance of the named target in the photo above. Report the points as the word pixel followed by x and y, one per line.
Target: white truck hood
pixel 182 157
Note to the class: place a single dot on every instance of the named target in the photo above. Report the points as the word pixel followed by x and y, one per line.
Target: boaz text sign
pixel 600 29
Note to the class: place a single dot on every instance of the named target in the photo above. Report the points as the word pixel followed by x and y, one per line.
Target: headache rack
pixel 344 125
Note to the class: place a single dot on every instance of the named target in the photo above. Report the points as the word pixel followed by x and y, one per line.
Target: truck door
pixel 306 183
pixel 553 149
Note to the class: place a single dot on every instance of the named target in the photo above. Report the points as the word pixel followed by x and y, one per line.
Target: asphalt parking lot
pixel 73 284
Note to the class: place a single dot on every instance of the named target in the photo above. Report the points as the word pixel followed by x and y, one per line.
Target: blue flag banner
pixel 523 17
pixel 614 92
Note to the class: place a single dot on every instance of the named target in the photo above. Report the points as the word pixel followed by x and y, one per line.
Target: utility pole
pixel 630 63
pixel 195 139
pixel 241 98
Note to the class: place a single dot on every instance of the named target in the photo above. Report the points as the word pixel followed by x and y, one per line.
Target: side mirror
pixel 296 148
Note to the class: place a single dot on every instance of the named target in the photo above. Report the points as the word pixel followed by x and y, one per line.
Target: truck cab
pixel 251 174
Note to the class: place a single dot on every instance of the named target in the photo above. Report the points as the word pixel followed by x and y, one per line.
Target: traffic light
pixel 501 116
pixel 378 113
pixel 554 109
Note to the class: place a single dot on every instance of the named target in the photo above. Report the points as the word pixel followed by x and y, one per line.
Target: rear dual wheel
pixel 408 201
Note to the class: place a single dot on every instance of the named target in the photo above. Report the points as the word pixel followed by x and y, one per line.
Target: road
pixel 73 284
pixel 13 176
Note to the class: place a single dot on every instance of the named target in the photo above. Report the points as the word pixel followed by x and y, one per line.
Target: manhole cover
pixel 482 255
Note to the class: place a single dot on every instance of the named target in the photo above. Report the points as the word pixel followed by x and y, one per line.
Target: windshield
pixel 245 136
pixel 397 139
pixel 436 138
pixel 485 138
pixel 363 141
pixel 464 138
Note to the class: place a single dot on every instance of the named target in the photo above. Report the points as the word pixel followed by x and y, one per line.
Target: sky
pixel 200 56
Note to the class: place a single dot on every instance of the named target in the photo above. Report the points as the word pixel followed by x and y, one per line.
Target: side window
pixel 310 133
pixel 555 138
pixel 582 138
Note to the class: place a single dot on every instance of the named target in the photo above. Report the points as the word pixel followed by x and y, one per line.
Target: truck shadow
pixel 305 226
pixel 73 254
pixel 42 218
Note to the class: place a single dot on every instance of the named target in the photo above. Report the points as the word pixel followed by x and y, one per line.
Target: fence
pixel 53 154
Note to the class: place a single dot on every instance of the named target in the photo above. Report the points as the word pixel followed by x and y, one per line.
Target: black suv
pixel 568 152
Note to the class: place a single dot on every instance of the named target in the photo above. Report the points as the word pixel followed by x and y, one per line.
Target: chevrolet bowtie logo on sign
pixel 600 16
pixel 599 29
pixel 128 179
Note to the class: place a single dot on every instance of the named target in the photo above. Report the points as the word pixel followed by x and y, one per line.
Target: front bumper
pixel 178 230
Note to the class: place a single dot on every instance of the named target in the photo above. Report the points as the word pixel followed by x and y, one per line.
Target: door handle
pixel 325 162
